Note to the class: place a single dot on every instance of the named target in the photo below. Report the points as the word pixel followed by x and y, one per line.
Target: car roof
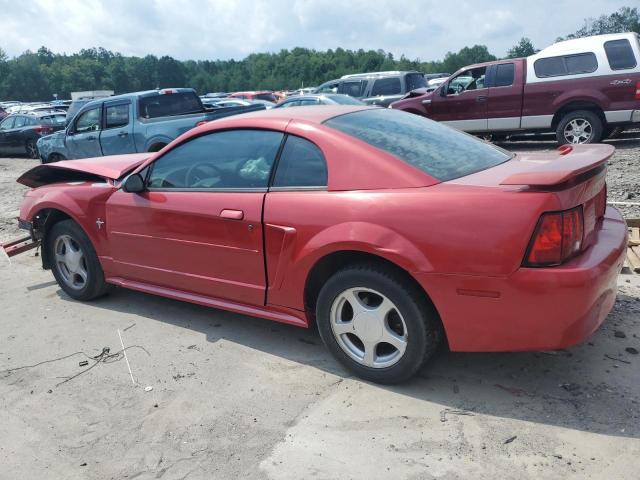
pixel 314 114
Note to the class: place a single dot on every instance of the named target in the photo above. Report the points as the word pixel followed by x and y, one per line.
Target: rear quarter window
pixel 169 105
pixel 439 151
pixel 620 54
pixel 566 65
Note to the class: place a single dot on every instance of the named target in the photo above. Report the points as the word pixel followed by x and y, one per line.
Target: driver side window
pixel 89 121
pixel 233 159
pixel 473 79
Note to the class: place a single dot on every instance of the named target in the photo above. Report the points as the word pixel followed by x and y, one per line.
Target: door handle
pixel 481 98
pixel 232 214
pixel 123 134
pixel 89 138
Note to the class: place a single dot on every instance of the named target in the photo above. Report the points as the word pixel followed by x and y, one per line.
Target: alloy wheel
pixel 368 327
pixel 578 130
pixel 71 262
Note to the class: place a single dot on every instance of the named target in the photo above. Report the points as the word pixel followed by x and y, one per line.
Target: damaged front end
pixel 22 244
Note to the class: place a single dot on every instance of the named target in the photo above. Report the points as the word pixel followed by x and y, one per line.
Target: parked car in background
pixel 236 102
pixel 376 88
pixel 355 220
pixel 19 133
pixel 129 123
pixel 258 95
pixel 579 89
pixel 318 99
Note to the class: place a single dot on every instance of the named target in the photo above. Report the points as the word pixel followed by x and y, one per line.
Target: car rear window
pixel 440 151
pixel 169 105
pixel 620 54
pixel 566 65
pixel 53 120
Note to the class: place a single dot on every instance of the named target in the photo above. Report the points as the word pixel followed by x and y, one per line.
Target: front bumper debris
pixel 20 245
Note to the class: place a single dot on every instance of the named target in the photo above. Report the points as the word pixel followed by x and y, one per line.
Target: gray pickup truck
pixel 131 123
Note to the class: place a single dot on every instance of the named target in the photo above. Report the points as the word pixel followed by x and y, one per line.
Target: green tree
pixel 523 48
pixel 466 56
pixel 626 19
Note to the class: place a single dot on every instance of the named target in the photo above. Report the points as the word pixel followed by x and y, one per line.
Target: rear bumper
pixel 534 308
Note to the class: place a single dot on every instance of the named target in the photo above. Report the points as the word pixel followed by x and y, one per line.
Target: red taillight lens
pixel 42 130
pixel 558 237
pixel 637 90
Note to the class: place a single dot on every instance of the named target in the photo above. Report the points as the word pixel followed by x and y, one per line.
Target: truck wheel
pixel 581 126
pixel 74 262
pixel 377 324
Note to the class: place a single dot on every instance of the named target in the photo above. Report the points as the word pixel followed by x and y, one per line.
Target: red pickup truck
pixel 580 89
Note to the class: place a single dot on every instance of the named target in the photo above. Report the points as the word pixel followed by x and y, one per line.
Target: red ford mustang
pixel 388 230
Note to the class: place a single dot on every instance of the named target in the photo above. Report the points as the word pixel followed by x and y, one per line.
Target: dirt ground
pixel 237 397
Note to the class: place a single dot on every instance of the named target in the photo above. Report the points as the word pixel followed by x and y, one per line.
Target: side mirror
pixel 134 184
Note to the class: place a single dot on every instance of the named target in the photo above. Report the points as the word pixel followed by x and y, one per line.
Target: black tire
pixel 55 157
pixel 31 149
pixel 423 328
pixel 94 286
pixel 592 119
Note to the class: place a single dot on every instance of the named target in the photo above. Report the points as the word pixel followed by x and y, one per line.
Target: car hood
pixel 87 169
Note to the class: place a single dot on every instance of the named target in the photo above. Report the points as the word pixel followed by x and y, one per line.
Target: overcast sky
pixel 212 29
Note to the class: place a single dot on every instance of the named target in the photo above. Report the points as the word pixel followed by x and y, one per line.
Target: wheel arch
pixel 575 105
pixel 329 264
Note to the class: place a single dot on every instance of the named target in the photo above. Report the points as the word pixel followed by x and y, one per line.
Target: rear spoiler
pixel 570 163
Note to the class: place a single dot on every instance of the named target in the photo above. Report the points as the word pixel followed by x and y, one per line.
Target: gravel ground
pixel 237 397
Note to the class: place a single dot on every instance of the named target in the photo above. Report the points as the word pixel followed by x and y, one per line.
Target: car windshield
pixel 346 100
pixel 438 150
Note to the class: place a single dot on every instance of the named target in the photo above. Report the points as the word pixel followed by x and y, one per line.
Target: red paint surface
pixel 463 241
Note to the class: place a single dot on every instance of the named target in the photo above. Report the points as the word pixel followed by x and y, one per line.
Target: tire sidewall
pixel 404 299
pixel 597 127
pixel 95 281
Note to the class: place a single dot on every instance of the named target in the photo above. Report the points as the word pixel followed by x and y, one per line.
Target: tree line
pixel 39 75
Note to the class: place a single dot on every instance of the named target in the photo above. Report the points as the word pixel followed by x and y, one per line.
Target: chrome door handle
pixel 232 214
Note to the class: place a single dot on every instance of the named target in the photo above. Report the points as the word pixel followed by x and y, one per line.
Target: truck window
pixel 566 65
pixel 117 116
pixel 505 73
pixel 620 54
pixel 415 80
pixel 353 89
pixel 386 86
pixel 169 104
pixel 88 121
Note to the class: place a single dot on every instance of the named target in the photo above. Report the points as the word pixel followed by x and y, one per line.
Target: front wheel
pixel 74 262
pixel 376 323
pixel 579 127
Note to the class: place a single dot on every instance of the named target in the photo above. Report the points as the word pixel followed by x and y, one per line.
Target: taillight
pixel 42 130
pixel 557 238
pixel 637 90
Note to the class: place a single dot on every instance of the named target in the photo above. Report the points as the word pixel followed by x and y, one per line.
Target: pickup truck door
pixel 198 226
pixel 116 136
pixel 462 101
pixel 83 138
pixel 504 106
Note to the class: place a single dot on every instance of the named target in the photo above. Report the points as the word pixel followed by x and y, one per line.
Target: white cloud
pixel 190 29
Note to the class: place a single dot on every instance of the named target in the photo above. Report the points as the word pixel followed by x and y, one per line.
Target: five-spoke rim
pixel 71 262
pixel 32 150
pixel 578 130
pixel 368 327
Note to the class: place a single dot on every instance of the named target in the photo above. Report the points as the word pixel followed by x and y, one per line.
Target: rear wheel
pixel 376 323
pixel 581 126
pixel 74 262
pixel 31 149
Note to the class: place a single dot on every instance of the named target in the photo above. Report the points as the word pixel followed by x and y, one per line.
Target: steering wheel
pixel 201 171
